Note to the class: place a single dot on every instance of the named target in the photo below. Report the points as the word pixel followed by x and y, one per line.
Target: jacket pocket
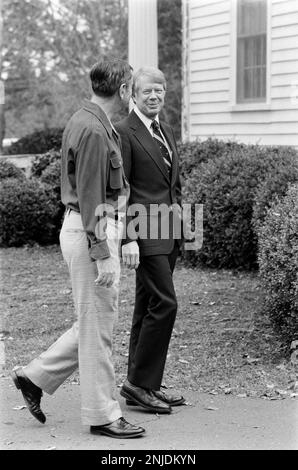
pixel 115 176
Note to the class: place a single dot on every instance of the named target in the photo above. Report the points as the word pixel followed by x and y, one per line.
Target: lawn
pixel 221 342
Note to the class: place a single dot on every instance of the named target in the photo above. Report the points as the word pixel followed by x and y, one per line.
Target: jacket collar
pixel 99 113
pixel 145 139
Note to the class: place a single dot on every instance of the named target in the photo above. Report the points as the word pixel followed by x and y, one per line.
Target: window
pixel 251 50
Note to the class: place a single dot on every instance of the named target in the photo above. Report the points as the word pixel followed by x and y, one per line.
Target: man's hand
pixel 131 255
pixel 107 270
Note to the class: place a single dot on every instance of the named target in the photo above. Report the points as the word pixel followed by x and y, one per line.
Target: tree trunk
pixel 2 117
pixel 2 127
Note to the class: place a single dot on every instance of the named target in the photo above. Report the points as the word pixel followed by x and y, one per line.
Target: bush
pixel 27 213
pixel 192 154
pixel 284 170
pixel 38 142
pixel 9 170
pixel 278 264
pixel 226 185
pixel 41 162
pixel 51 178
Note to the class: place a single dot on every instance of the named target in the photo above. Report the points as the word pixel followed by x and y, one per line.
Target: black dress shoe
pixel 172 400
pixel 31 393
pixel 120 429
pixel 145 398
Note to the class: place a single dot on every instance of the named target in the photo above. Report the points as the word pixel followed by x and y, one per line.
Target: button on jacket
pixel 92 172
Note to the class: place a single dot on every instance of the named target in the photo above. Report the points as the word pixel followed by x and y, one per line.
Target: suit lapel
pixel 146 141
pixel 168 135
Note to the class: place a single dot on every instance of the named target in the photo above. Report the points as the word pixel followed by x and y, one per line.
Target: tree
pixel 170 58
pixel 2 117
pixel 50 45
pixel 48 48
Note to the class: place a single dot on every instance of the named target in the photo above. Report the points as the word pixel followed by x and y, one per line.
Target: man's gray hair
pixel 153 73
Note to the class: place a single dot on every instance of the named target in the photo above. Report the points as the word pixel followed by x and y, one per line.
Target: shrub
pixel 284 170
pixel 194 153
pixel 278 264
pixel 37 142
pixel 41 162
pixel 27 213
pixel 226 185
pixel 51 178
pixel 9 170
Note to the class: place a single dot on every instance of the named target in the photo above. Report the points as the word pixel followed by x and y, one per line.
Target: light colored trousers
pixel 88 344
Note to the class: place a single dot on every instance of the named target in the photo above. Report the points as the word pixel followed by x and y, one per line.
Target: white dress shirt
pixel 147 122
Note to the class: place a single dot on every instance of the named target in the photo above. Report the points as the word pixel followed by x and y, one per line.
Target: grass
pixel 221 343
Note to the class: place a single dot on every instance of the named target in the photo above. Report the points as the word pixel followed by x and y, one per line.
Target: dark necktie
pixel 157 136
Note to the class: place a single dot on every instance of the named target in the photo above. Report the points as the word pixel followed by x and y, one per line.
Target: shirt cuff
pixel 99 250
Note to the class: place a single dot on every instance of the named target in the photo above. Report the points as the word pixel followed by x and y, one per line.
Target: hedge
pixel 9 170
pixel 278 264
pixel 192 154
pixel 27 213
pixel 41 162
pixel 37 142
pixel 227 185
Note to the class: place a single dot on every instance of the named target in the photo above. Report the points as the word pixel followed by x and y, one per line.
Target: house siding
pixel 209 57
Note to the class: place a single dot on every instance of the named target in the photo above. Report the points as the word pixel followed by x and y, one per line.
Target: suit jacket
pixel 150 185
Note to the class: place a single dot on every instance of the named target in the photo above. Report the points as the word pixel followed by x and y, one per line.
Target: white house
pixel 240 62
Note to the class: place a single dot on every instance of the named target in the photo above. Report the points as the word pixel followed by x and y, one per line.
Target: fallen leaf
pixel 281 392
pixel 211 408
pixel 252 360
pixel 183 361
pixel 65 292
pixel 241 395
pixel 213 392
pixel 293 395
pixel 227 391
pixel 51 448
pixel 195 302
pixel 281 367
pixel 19 407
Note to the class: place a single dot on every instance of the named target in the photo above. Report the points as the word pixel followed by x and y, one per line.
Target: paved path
pixel 209 422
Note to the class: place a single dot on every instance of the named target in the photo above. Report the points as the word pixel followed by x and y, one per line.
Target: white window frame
pixel 252 106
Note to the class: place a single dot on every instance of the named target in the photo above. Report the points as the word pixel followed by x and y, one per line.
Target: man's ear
pixel 121 90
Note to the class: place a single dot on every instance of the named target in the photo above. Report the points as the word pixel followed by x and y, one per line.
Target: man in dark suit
pixel 151 165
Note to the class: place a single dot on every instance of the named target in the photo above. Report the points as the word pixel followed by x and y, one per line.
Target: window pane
pixel 251 17
pixel 251 50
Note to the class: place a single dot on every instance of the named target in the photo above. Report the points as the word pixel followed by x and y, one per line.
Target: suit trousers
pixel 88 344
pixel 153 319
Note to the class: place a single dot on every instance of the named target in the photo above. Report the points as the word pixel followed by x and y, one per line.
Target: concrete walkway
pixel 208 422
